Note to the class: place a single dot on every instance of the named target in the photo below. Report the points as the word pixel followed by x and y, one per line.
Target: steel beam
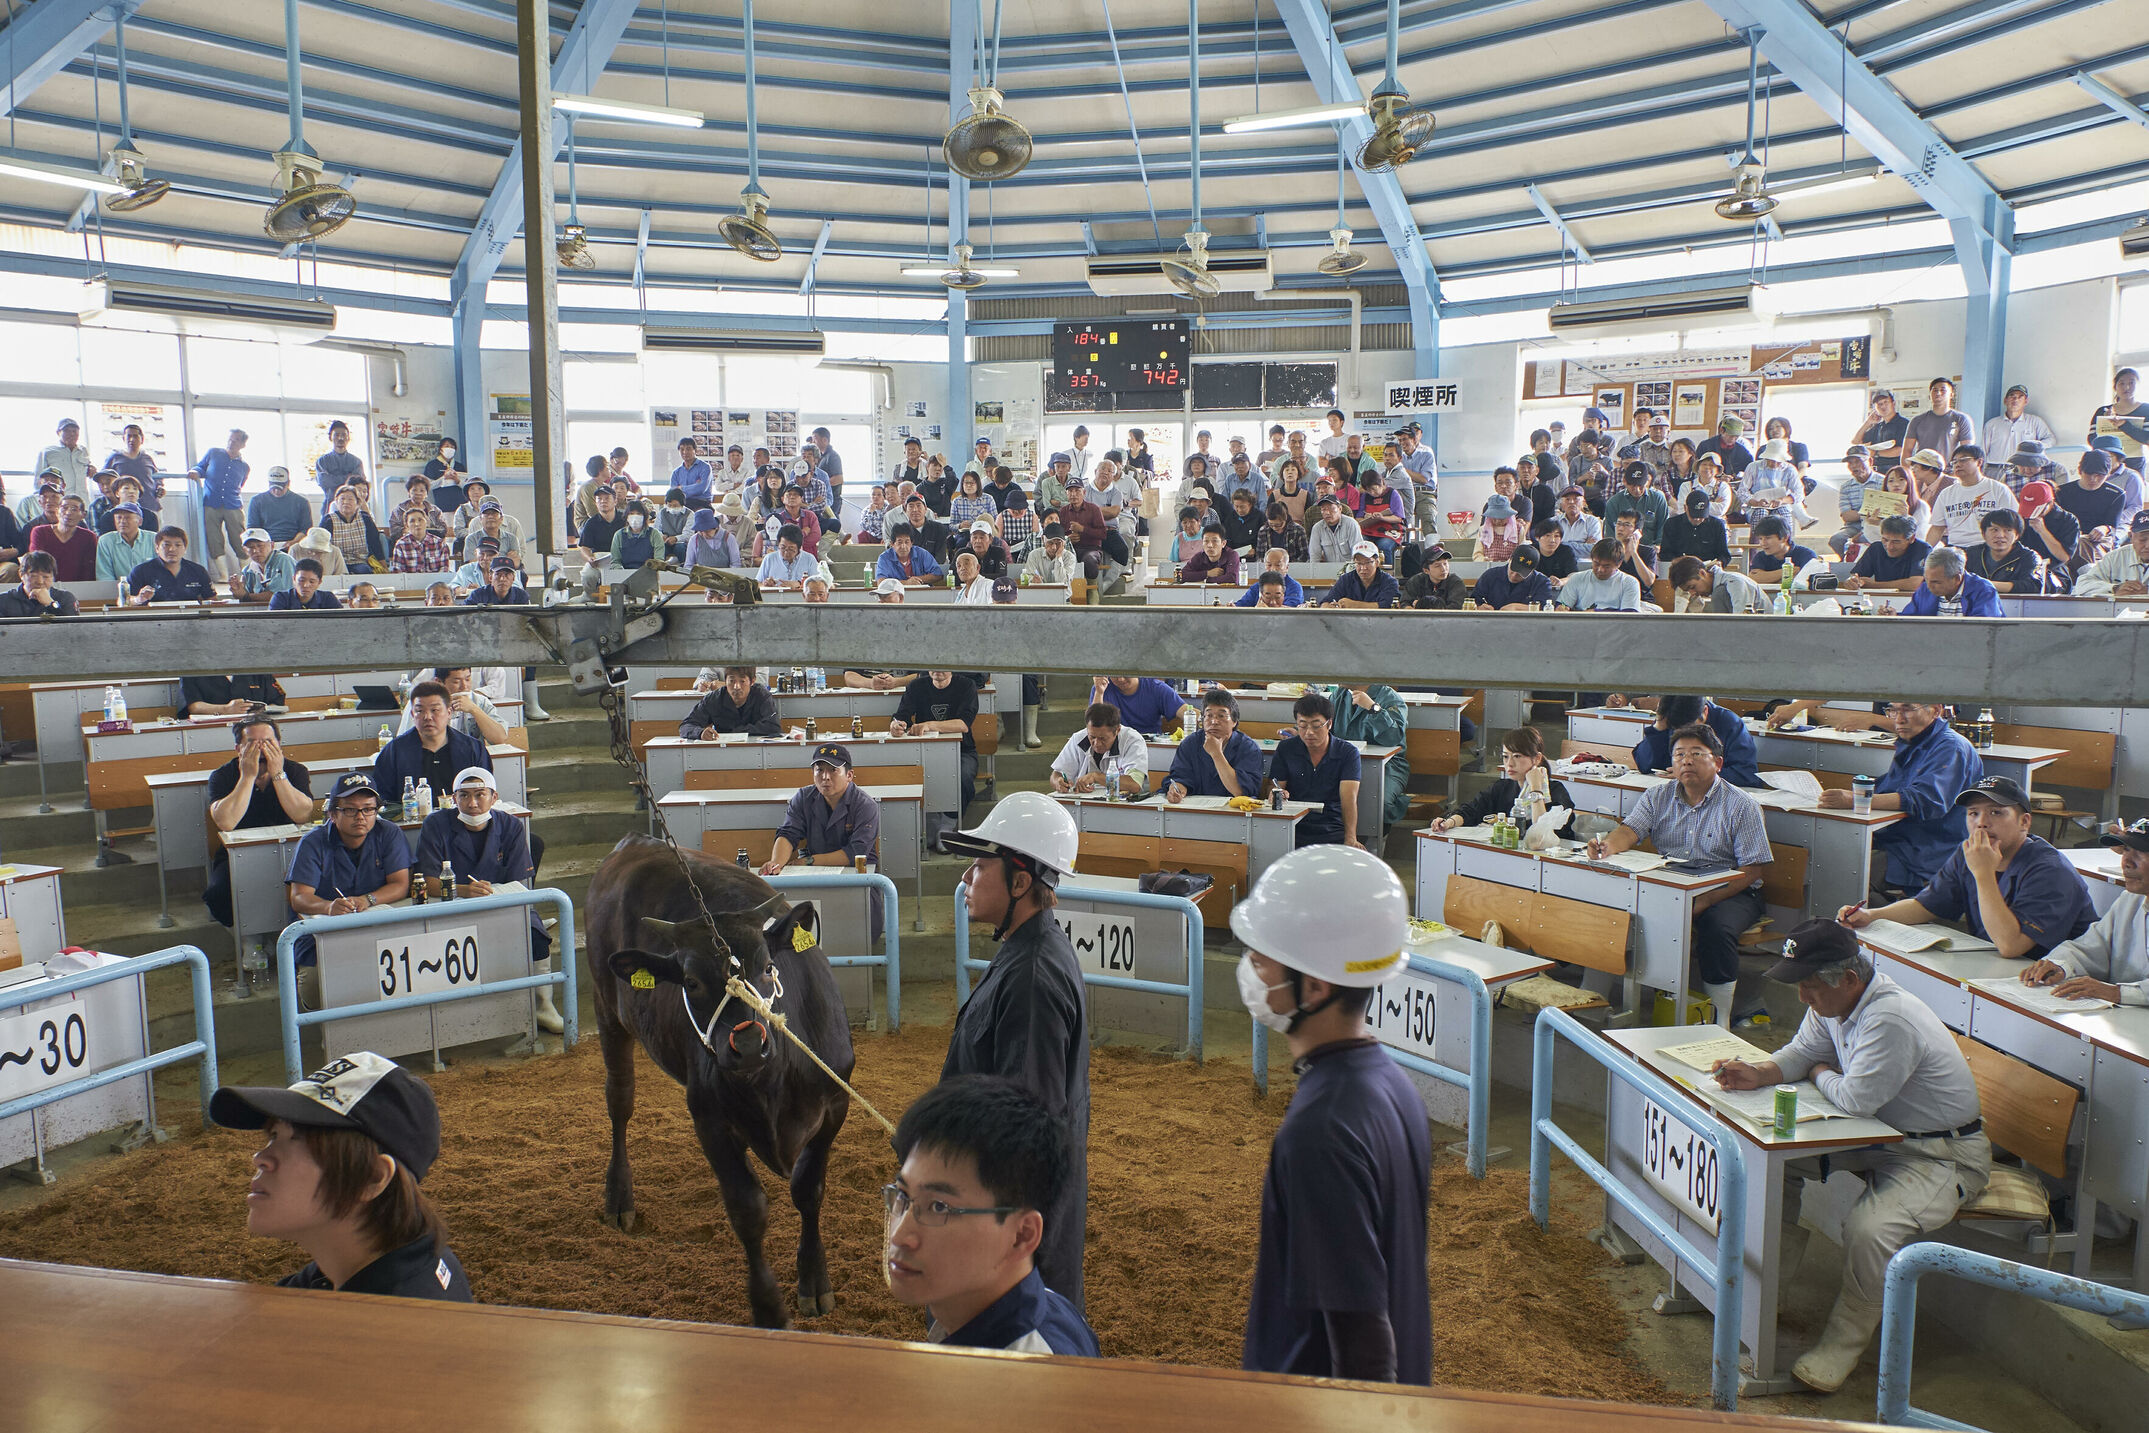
pixel 813 260
pixel 1873 113
pixel 1321 53
pixel 44 38
pixel 2000 660
pixel 586 50
pixel 2111 99
pixel 541 279
pixel 1552 217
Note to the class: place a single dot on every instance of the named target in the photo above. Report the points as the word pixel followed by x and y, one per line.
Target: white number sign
pixel 1104 945
pixel 1402 1015
pixel 429 962
pixel 1681 1164
pixel 42 1049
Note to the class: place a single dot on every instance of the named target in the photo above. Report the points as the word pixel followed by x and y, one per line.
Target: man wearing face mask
pixel 486 851
pixel 1027 1020
pixel 1339 1283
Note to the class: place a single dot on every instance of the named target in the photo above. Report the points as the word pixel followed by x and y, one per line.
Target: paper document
pixel 1758 1107
pixel 1796 783
pixel 1635 861
pixel 2038 997
pixel 1703 1054
pixel 1909 938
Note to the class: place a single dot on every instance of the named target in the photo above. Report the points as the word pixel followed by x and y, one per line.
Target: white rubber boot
pixel 1030 738
pixel 1721 997
pixel 548 1014
pixel 1825 1366
pixel 532 708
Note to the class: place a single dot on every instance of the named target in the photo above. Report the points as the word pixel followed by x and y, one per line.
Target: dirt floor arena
pixel 1176 1159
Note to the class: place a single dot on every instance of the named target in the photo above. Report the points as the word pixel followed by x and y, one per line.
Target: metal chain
pixel 638 777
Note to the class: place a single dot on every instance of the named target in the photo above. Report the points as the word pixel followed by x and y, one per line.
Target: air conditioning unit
pixel 722 340
pixel 1662 311
pixel 203 310
pixel 1240 271
pixel 2134 243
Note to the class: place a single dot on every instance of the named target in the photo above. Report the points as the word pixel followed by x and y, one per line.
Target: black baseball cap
pixel 831 753
pixel 2134 837
pixel 1004 589
pixel 1813 947
pixel 361 1091
pixel 1697 501
pixel 351 783
pixel 1523 558
pixel 1999 790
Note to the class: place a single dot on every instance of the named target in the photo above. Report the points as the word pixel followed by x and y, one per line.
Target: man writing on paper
pixel 1875 1051
pixel 2110 960
pixel 2008 886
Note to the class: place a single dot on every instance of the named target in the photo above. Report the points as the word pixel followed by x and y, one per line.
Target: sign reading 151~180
pixel 1149 356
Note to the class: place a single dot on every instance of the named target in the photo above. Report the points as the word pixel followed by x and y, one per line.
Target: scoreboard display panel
pixel 1123 356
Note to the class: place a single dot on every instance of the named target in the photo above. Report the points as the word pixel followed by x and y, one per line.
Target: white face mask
pixel 1254 996
pixel 636 521
pixel 475 823
pixel 447 455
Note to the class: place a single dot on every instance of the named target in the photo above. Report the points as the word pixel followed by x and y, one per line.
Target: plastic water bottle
pixel 115 705
pixel 1111 778
pixel 447 881
pixel 1785 595
pixel 387 735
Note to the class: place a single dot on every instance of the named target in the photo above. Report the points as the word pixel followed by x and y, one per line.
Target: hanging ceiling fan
pixel 1399 131
pixel 1749 198
pixel 1188 270
pixel 987 143
pixel 573 246
pixel 305 207
pixel 1342 259
pixel 748 230
pixel 126 164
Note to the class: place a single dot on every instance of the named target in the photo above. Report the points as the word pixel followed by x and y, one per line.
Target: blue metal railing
pixel 1189 990
pixel 294 1020
pixel 1899 1313
pixel 1729 1258
pixel 202 1046
pixel 891 957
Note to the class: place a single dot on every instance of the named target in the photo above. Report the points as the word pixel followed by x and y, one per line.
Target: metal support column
pixel 1987 270
pixel 962 74
pixel 541 269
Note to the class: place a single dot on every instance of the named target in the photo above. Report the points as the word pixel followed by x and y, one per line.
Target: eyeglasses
pixel 933 1213
pixel 344 808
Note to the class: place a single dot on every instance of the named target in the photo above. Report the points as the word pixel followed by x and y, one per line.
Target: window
pixel 39 353
pixel 603 387
pixel 265 442
pixel 313 372
pixel 1822 417
pixel 233 366
pixel 2133 320
pixel 121 358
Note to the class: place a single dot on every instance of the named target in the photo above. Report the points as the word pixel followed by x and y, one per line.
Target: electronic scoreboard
pixel 1123 356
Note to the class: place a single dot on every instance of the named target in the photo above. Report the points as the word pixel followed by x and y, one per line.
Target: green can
pixel 1786 1111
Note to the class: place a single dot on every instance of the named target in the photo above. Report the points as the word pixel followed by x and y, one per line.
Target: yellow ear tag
pixel 801 940
pixel 642 980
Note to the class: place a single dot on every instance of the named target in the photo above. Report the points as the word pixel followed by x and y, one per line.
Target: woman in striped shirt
pixel 970 502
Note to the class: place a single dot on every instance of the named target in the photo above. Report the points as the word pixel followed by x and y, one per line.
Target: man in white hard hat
pixel 1027 1018
pixel 1339 1284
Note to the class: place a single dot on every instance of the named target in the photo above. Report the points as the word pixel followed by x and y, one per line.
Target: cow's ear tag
pixel 801 938
pixel 642 980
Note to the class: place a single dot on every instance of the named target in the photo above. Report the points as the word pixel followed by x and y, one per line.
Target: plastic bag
pixel 1544 832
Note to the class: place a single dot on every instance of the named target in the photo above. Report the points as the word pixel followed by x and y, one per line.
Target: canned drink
pixel 860 863
pixel 1276 798
pixel 1786 1111
pixel 858 726
pixel 744 859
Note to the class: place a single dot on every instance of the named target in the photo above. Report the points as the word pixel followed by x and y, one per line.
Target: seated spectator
pixel 228 696
pixel 1051 562
pixel 127 546
pixel 906 561
pixel 363 596
pixel 259 786
pixel 1517 587
pixel 339 1177
pixel 1699 817
pixel 431 749
pixel 1501 531
pixel 470 709
pixel 709 543
pixel 1434 587
pixel 419 501
pixel 1709 480
pixel 1555 559
pixel 1186 539
pixel 1311 764
pixel 267 570
pixel 605 522
pixel 475 573
pixel 2095 501
pixel 1637 559
pixel 420 548
pixel 1217 759
pixel 816 589
pixel 1771 486
pixel 502 590
pixel 1101 751
pixel 315 543
pixel 352 862
pixel 1859 479
pixel 484 849
pixel 1525 791
pixel 1932 765
pixel 1949 591
pixel 675 521
pixel 1579 529
pixel 2110 960
pixel 2050 532
pixel 787 568
pixel 2007 886
pixel 491 526
pixel 739 704
pixel 1267 591
pixel 1274 563
pixel 70 540
pixel 1708 588
pixel 633 546
pixel 983 543
pixel 1696 532
pixel 1637 496
pixel 1363 584
pixel 2122 572
pixel 282 512
pixel 1738 759
pixel 1333 534
pixel 1774 551
pixel 1962 502
pixel 1147 704
pixel 1240 524
pixel 118 489
pixel 1896 563
pixel 1213 563
pixel 831 821
pixel 1018 526
pixel 1897 483
pixel 972 587
pixel 171 577
pixel 1096 542
pixel 1384 515
pixel 1281 532
pixel 36 596
pixel 305 591
pixel 1603 587
pixel 939 703
pixel 2001 558
pixel 439 593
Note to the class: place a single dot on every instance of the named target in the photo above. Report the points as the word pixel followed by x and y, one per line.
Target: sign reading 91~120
pixel 1123 355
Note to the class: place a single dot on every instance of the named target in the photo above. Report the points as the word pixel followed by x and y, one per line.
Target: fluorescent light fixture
pixel 1827 186
pixel 934 271
pixel 1290 118
pixel 628 111
pixel 52 174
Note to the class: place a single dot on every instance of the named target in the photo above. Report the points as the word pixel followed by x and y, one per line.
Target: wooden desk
pixel 1626 1120
pixel 719 823
pixel 1372 781
pixel 30 899
pixel 676 764
pixel 1432 736
pixel 653 713
pixel 112 1350
pixel 1201 833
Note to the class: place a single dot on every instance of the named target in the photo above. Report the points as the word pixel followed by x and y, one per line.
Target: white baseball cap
pixel 476 776
pixel 888 586
pixel 1366 549
pixel 255 534
pixel 981 525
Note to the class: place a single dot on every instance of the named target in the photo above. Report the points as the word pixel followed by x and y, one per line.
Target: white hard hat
pixel 1023 823
pixel 1332 912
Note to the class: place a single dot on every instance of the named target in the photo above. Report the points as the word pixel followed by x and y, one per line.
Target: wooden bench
pixel 1128 856
pixel 1552 927
pixel 2028 1114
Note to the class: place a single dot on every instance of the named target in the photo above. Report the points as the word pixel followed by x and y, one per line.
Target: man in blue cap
pixel 832 822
